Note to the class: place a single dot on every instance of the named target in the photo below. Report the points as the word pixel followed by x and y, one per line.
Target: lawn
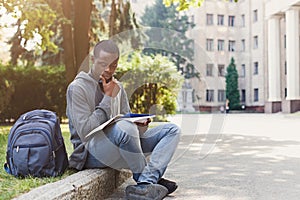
pixel 9 185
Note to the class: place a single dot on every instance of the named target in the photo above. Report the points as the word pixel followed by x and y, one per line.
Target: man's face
pixel 105 64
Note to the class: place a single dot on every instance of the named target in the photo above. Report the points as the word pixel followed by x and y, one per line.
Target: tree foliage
pixel 167 36
pixel 232 92
pixel 33 18
pixel 65 29
pixel 186 4
pixel 120 20
pixel 151 82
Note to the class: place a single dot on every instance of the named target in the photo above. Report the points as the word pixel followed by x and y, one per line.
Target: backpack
pixel 36 146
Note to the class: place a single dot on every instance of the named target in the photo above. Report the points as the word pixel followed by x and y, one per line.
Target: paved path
pixel 236 157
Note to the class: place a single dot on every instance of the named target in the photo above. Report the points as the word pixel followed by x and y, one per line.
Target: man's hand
pixel 146 123
pixel 143 126
pixel 110 89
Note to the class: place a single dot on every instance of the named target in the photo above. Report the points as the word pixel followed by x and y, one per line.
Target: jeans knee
pixel 126 130
pixel 174 132
pixel 128 127
pixel 174 129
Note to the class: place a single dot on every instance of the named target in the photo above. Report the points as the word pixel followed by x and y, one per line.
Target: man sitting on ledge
pixel 123 144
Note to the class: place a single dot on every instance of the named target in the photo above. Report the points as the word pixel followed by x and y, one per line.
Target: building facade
pixel 283 56
pixel 226 30
pixel 263 38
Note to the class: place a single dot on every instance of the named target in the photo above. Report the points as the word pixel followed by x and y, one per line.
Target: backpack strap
pixel 6 168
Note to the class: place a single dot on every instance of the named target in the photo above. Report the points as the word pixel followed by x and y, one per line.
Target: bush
pixel 151 83
pixel 32 88
pixel 6 88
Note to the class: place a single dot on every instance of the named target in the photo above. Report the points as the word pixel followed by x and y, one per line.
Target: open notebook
pixel 132 117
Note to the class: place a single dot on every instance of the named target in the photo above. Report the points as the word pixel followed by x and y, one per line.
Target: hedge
pixel 152 85
pixel 27 88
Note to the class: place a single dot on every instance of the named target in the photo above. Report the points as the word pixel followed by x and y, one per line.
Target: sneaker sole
pixel 175 188
pixel 153 192
pixel 170 185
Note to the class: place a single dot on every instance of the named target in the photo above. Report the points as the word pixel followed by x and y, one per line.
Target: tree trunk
pixel 112 19
pixel 68 42
pixel 83 9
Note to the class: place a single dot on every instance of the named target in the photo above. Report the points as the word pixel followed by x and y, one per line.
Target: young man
pixel 123 144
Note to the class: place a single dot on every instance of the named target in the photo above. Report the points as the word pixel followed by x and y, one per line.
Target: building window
pixel 284 41
pixel 243 45
pixel 243 20
pixel 209 19
pixel 220 20
pixel 221 70
pixel 209 44
pixel 256 97
pixel 231 21
pixel 243 95
pixel 255 42
pixel 209 95
pixel 255 16
pixel 221 96
pixel 209 69
pixel 285 92
pixel 243 71
pixel 285 68
pixel 255 67
pixel 231 45
pixel 221 45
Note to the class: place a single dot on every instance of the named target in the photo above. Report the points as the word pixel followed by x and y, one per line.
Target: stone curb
pixel 87 184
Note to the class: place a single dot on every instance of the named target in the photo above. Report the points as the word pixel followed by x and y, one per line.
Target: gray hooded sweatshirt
pixel 87 108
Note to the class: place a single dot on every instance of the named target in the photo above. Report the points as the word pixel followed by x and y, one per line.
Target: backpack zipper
pixel 41 129
pixel 29 146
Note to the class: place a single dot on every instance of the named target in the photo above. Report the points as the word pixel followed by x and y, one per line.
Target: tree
pixel 34 17
pixel 64 28
pixel 186 4
pixel 232 92
pixel 167 36
pixel 120 20
pixel 151 82
pixel 45 18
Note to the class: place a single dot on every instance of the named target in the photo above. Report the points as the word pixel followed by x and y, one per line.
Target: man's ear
pixel 92 59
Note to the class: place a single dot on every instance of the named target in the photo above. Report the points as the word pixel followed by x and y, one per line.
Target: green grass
pixel 10 186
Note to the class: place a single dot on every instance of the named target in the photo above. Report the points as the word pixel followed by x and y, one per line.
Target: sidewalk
pixel 251 156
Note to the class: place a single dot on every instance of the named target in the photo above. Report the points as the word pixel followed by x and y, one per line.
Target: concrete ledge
pixel 87 184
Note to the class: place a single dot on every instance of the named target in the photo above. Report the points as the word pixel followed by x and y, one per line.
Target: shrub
pixel 32 88
pixel 151 82
pixel 152 85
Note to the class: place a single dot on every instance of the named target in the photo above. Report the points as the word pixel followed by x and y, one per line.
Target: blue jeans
pixel 122 146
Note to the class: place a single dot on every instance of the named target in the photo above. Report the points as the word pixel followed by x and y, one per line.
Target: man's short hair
pixel 107 46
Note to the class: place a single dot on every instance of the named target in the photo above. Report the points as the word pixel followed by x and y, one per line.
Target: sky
pixel 6 32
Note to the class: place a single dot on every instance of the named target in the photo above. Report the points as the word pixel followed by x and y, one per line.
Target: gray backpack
pixel 36 146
